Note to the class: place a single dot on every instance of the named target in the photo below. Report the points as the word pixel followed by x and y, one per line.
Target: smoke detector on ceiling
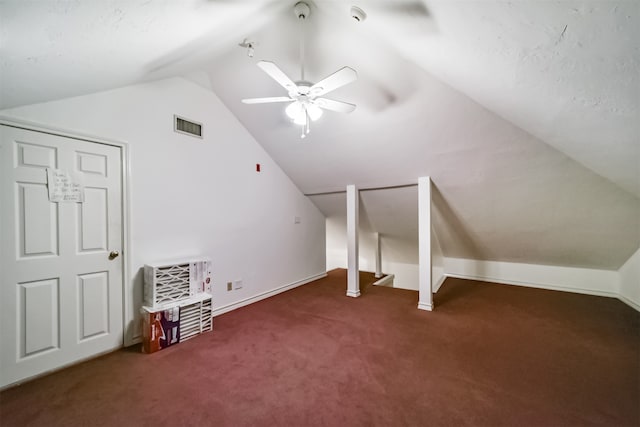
pixel 301 9
pixel 358 14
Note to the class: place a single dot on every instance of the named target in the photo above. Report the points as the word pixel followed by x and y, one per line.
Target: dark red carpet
pixel 489 355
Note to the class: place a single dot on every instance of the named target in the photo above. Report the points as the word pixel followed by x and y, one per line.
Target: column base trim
pixel 425 306
pixel 353 294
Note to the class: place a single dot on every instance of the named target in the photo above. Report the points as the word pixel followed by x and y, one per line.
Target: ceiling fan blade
pixel 277 74
pixel 338 79
pixel 330 104
pixel 267 100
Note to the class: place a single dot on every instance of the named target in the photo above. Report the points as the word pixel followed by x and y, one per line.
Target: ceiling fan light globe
pixel 297 111
pixel 294 111
pixel 314 111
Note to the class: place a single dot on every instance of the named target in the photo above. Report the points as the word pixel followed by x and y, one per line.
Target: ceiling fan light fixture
pixel 314 111
pixel 297 111
pixel 306 101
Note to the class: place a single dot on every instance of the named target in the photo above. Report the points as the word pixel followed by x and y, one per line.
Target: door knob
pixel 113 254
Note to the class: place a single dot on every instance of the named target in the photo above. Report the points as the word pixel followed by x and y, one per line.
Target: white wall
pixel 630 281
pixel 194 196
pixel 336 244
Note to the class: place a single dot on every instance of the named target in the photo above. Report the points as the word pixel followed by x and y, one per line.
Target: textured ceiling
pixel 524 113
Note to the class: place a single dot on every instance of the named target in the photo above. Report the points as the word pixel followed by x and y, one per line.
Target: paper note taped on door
pixel 63 187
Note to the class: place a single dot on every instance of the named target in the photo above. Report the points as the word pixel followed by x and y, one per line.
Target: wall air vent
pixel 187 127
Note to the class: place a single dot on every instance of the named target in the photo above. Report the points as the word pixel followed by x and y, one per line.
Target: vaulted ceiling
pixel 524 113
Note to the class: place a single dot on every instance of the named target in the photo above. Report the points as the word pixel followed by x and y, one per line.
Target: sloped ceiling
pixel 525 114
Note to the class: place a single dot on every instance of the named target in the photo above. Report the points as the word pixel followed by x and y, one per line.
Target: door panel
pixel 38 311
pixel 92 220
pixel 93 304
pixel 38 219
pixel 36 155
pixel 60 294
pixel 92 163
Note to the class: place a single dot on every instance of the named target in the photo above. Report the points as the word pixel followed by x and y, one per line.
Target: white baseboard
pixel 608 294
pixel 567 279
pixel 425 307
pixel 259 297
pixel 385 281
pixel 439 283
pixel 629 302
pixel 535 285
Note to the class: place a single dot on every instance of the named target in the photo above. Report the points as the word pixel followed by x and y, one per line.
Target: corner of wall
pixel 629 281
pixel 437 263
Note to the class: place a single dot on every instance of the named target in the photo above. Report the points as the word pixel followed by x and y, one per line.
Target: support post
pixel 425 298
pixel 378 257
pixel 353 274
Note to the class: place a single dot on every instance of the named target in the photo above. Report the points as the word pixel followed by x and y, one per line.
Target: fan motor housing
pixel 303 86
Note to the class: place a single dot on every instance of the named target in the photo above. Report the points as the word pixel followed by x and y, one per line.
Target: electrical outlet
pixel 237 284
pixel 229 286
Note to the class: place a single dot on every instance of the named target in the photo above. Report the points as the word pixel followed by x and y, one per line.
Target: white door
pixel 60 293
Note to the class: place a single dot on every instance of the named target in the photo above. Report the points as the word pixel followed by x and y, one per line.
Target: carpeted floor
pixel 490 355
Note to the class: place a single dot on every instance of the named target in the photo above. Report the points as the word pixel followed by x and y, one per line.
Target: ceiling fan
pixel 305 98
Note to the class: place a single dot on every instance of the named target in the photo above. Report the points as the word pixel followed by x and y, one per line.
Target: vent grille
pixel 187 127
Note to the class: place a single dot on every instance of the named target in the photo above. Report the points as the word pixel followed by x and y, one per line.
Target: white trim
pixel 128 302
pixel 569 279
pixel 425 279
pixel 52 130
pixel 126 205
pixel 439 283
pixel 385 280
pixel 378 257
pixel 230 307
pixel 629 302
pixel 533 285
pixel 425 307
pixel 608 294
pixel 353 294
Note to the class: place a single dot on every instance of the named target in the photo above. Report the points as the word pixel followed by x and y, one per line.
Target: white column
pixel 425 299
pixel 378 257
pixel 353 275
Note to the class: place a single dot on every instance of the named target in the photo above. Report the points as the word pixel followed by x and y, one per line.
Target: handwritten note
pixel 63 188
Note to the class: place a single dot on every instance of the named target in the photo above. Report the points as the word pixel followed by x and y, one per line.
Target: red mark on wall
pixel 257 167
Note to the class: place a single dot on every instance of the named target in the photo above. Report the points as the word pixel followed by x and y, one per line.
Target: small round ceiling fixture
pixel 358 14
pixel 302 10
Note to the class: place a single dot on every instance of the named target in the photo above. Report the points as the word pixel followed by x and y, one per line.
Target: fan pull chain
pixel 306 128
